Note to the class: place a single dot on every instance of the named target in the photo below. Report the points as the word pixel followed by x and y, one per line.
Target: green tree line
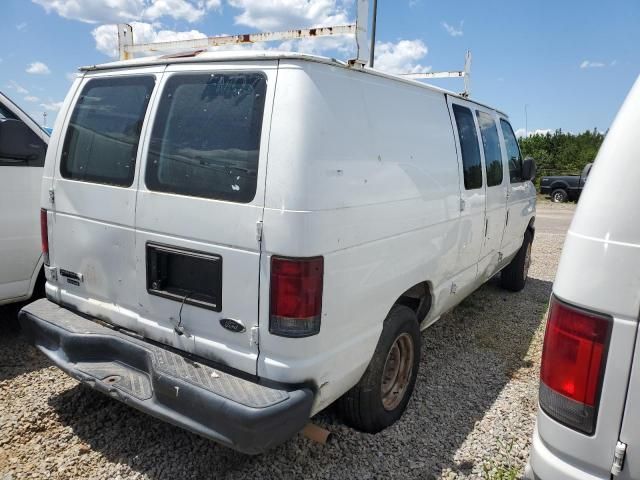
pixel 561 153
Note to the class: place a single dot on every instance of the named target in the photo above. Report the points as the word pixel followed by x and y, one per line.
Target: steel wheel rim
pixel 396 372
pixel 527 261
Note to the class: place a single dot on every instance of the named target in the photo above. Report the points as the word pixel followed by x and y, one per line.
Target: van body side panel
pixel 363 171
pixel 19 228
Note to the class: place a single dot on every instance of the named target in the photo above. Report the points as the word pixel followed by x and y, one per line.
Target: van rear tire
pixel 379 399
pixel 514 275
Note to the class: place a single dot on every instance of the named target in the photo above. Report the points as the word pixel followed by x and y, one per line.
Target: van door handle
pixel 486 227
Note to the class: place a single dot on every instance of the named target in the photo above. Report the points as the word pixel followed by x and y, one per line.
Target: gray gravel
pixel 474 405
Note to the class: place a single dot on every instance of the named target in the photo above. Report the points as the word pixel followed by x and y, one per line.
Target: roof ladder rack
pixel 465 74
pixel 127 48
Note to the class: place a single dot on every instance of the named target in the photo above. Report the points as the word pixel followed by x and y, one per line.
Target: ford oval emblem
pixel 232 325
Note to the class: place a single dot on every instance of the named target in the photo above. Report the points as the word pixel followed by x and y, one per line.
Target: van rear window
pixel 101 143
pixel 206 137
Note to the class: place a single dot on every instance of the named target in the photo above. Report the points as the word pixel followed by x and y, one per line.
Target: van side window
pixel 101 143
pixel 470 149
pixel 513 152
pixel 491 146
pixel 206 137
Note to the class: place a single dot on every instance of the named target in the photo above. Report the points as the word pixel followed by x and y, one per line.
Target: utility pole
pixel 373 33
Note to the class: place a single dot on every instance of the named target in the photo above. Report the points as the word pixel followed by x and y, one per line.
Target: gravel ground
pixel 473 408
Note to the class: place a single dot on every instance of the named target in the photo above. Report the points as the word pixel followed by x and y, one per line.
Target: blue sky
pixel 571 62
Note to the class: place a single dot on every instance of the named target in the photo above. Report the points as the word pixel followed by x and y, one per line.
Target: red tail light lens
pixel 573 363
pixel 296 296
pixel 44 235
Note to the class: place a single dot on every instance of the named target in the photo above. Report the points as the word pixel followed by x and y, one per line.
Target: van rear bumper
pixel 234 411
pixel 544 464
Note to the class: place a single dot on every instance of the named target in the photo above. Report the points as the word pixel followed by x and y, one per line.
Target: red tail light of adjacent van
pixel 44 235
pixel 296 296
pixel 573 363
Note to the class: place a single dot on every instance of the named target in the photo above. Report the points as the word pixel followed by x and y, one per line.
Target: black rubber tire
pixel 559 195
pixel 361 407
pixel 514 276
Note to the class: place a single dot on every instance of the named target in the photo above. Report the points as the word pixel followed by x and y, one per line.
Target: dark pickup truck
pixel 565 188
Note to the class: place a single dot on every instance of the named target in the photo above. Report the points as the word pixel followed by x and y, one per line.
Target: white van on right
pixel 589 416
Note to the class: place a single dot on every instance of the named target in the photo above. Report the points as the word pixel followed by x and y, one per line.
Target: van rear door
pixel 91 222
pixel 200 208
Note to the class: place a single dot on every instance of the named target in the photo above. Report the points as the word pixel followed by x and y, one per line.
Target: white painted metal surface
pixel 20 255
pixel 359 167
pixel 599 271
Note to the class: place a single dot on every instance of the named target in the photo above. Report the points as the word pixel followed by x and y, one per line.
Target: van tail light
pixel 573 363
pixel 44 235
pixel 296 296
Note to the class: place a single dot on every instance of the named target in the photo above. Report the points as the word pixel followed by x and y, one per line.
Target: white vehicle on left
pixel 23 146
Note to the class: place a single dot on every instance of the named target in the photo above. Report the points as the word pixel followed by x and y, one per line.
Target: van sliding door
pixel 472 189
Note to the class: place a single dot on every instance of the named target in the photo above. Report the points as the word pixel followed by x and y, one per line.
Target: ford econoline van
pixel 589 411
pixel 236 240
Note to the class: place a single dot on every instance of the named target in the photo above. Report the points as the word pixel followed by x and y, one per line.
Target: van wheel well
pixel 532 226
pixel 418 298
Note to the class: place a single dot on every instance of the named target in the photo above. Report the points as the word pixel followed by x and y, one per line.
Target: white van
pixel 589 412
pixel 237 240
pixel 23 146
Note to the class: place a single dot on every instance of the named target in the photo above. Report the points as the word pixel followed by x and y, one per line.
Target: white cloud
pixel 17 87
pixel 175 9
pixel 21 26
pixel 401 57
pixel 274 15
pixel 590 64
pixel 71 76
pixel 453 31
pixel 118 11
pixel 51 106
pixel 31 98
pixel 106 36
pixel 38 68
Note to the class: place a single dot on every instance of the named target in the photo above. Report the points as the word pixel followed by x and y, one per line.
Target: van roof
pixel 231 55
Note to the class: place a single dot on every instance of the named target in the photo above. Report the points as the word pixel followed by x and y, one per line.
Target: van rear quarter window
pixel 470 149
pixel 101 142
pixel 206 137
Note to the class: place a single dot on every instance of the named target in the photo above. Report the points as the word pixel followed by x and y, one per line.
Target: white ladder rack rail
pixel 127 48
pixel 465 74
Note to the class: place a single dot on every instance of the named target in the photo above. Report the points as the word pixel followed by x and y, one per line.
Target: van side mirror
pixel 529 169
pixel 19 144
